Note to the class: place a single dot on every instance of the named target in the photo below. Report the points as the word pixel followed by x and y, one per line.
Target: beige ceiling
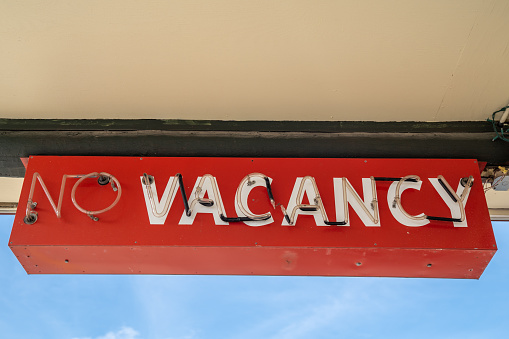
pixel 244 60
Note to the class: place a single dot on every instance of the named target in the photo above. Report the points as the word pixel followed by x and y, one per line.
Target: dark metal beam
pixel 243 126
pixel 21 138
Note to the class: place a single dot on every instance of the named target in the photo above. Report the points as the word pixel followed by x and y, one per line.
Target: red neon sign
pixel 339 217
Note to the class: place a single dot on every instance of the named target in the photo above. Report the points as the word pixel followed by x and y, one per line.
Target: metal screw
pixel 147 179
pixel 103 180
pixel 30 219
pixel 464 181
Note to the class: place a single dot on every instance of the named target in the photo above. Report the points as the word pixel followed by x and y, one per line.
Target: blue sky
pixel 193 307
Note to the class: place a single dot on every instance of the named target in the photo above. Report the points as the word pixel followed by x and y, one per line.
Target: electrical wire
pixel 495 182
pixel 503 134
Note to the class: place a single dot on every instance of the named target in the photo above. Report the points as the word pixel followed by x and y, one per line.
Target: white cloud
pixel 317 317
pixel 316 307
pixel 164 305
pixel 123 333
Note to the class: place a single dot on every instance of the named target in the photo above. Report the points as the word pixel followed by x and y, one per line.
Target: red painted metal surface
pixel 124 242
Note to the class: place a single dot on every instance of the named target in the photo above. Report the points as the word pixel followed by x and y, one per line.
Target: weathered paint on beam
pixel 255 125
pixel 233 139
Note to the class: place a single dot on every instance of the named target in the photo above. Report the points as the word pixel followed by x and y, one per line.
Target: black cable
pixel 183 192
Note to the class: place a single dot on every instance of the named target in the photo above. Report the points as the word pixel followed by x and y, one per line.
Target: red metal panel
pixel 124 242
